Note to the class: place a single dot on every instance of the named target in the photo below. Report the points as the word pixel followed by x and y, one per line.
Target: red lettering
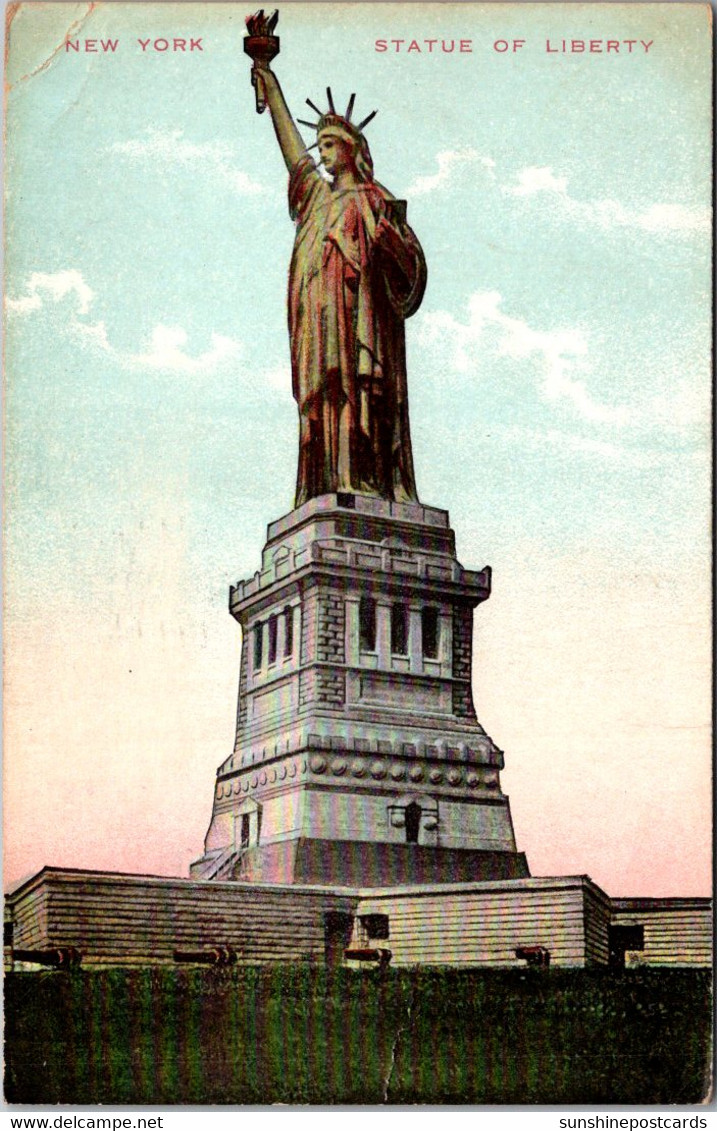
pixel 647 46
pixel 69 44
pixel 550 50
pixel 413 46
pixel 196 44
pixel 157 43
pixel 613 45
pixel 90 45
pixel 500 45
pixel 447 50
pixel 109 44
pixel 179 44
pixel 596 46
pixel 577 45
pixel 630 44
pixel 466 46
pixel 398 43
pixel 144 43
pixel 517 44
pixel 430 43
pixel 381 45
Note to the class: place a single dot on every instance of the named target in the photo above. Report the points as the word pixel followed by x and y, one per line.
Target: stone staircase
pixel 220 867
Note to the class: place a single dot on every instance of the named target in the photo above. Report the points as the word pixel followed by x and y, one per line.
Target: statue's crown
pixel 342 123
pixel 330 121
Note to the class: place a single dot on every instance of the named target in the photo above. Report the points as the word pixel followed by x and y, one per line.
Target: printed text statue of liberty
pixel 357 272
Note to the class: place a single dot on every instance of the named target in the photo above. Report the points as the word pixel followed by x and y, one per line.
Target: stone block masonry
pixel 379 659
pixel 330 687
pixel 463 705
pixel 331 632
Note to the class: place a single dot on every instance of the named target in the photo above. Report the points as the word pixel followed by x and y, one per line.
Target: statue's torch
pixel 261 45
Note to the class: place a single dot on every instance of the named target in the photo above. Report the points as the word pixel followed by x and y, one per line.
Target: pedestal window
pixel 289 631
pixel 247 826
pixel 273 633
pixel 429 632
pixel 258 645
pixel 413 822
pixel 399 630
pixel 367 624
pixel 245 831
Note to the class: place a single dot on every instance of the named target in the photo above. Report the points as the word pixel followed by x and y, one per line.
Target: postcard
pixel 532 358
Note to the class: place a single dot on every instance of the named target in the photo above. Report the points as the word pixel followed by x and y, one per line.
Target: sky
pixel 559 390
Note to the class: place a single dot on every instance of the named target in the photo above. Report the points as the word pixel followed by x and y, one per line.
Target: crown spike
pixel 311 125
pixel 313 106
pixel 330 99
pixel 366 121
pixel 350 107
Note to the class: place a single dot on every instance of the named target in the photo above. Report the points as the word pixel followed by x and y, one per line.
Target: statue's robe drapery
pixel 348 299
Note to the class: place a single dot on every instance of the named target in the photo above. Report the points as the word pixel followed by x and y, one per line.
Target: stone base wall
pixel 344 863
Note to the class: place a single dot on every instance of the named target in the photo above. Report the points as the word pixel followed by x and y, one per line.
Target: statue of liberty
pixel 357 272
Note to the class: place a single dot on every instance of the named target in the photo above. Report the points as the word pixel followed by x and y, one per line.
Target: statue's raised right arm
pixel 261 45
pixel 290 140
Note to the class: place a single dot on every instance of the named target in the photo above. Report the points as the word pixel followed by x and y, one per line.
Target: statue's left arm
pixel 404 264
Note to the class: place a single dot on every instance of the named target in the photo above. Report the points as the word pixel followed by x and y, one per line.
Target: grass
pixel 307 1035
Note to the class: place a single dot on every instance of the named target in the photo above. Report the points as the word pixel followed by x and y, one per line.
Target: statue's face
pixel 335 153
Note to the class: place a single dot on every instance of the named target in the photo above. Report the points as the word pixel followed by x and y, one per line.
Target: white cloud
pixel 683 408
pixel 611 453
pixel 217 158
pixel 92 334
pixel 659 219
pixel 166 348
pixel 542 183
pixel 639 457
pixel 42 286
pixel 166 352
pixel 674 218
pixel 449 161
pixel 559 354
pixel 535 179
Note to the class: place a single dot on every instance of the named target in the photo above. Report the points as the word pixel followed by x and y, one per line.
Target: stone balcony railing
pixel 356 555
